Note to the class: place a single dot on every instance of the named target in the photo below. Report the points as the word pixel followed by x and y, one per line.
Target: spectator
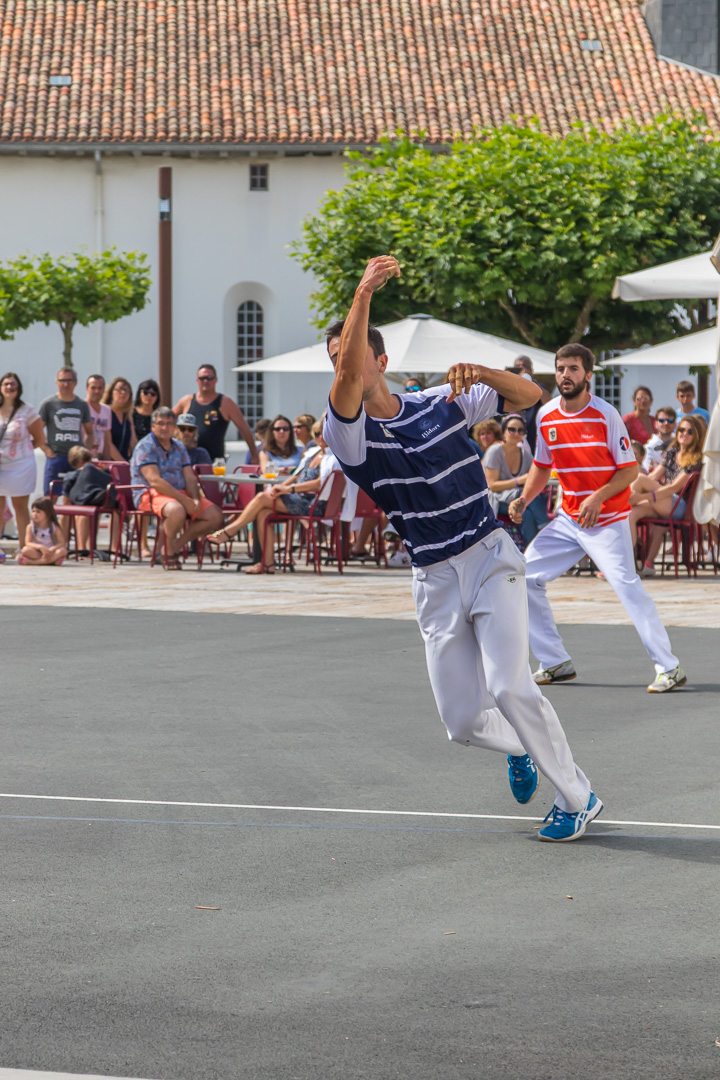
pixel 686 396
pixel 412 386
pixel 279 447
pixel 21 430
pixel 656 445
pixel 259 432
pixel 641 424
pixel 187 430
pixel 658 495
pixel 302 430
pixel 294 495
pixel 67 421
pixel 639 452
pixel 485 434
pixel 86 485
pixel 213 412
pixel 44 542
pixel 524 366
pixel 506 467
pixel 161 465
pixel 122 433
pixel 147 400
pixel 101 416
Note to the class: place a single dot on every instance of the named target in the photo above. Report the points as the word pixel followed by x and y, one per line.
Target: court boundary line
pixel 340 810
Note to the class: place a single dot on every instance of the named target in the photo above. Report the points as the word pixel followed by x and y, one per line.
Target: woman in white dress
pixel 21 430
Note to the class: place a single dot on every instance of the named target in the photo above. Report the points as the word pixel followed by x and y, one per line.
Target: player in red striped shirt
pixel 584 439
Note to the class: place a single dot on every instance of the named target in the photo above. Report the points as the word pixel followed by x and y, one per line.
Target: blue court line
pixel 336 828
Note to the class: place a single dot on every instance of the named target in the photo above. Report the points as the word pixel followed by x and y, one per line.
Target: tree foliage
pixel 71 289
pixel 521 233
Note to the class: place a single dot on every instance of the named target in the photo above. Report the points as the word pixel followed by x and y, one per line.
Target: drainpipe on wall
pixel 165 284
pixel 99 245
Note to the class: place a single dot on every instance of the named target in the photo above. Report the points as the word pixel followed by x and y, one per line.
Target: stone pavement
pixel 360 592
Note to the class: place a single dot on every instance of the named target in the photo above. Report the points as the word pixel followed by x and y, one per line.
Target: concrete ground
pixel 239 847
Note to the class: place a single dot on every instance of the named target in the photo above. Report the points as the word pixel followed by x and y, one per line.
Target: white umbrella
pixel 418 345
pixel 694 278
pixel 698 348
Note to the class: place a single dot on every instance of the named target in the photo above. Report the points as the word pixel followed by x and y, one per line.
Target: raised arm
pixel 519 393
pixel 346 392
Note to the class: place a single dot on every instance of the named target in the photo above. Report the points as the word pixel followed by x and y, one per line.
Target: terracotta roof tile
pixel 327 71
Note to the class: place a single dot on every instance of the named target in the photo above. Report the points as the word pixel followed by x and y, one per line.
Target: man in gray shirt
pixel 67 423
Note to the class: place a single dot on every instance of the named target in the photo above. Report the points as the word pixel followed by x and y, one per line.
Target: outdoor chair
pixel 365 508
pixel 684 534
pixel 327 529
pixel 73 513
pixel 130 517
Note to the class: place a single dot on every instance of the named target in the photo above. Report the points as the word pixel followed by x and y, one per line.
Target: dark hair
pixel 147 384
pixel 109 390
pixel 579 352
pixel 262 425
pixel 210 367
pixel 699 430
pixel 375 338
pixel 100 377
pixel 512 416
pixel 668 410
pixel 67 371
pixel 270 445
pixel 45 506
pixel 18 400
pixel 685 385
pixel 643 390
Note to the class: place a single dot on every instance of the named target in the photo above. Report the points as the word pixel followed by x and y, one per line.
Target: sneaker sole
pixel 537 788
pixel 597 811
pixel 680 682
pixel 560 678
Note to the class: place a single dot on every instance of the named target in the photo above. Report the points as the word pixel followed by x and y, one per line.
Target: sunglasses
pixel 685 431
pixel 207 378
pixel 281 429
pixel 296 427
pixel 183 429
pixel 516 430
pixel 665 420
pixel 67 380
pixel 149 390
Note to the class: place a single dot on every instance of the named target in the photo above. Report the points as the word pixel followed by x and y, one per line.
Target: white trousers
pixel 472 612
pixel 554 550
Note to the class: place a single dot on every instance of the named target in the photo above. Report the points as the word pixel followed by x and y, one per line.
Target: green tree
pixel 521 233
pixel 71 289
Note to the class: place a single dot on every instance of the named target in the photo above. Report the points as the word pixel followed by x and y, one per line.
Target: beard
pixel 576 391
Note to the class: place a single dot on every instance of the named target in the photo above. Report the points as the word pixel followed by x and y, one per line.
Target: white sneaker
pixel 646 571
pixel 399 558
pixel 560 673
pixel 667 680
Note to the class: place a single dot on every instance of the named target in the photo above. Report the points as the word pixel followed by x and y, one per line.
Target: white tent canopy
pixel 698 348
pixel 694 278
pixel 418 345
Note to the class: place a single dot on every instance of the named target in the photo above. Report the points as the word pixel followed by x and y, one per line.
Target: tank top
pixel 211 426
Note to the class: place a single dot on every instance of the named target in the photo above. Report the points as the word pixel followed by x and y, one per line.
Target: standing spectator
pixel 188 434
pixel 101 416
pixel 524 366
pixel 122 433
pixel 161 465
pixel 21 430
pixel 656 445
pixel 68 422
pixel 484 435
pixel 641 424
pixel 44 543
pixel 147 400
pixel 213 412
pixel 279 448
pixel 686 396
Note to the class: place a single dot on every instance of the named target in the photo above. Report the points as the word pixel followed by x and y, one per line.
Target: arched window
pixel 250 340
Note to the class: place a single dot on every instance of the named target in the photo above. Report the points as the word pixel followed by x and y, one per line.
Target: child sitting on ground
pixel 44 540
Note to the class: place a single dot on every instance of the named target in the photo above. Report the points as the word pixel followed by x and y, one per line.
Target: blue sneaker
pixel 566 826
pixel 524 777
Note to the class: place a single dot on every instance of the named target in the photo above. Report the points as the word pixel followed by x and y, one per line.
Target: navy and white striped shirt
pixel 422 469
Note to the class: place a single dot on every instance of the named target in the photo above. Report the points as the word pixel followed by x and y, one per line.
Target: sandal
pixel 173 563
pixel 258 568
pixel 215 537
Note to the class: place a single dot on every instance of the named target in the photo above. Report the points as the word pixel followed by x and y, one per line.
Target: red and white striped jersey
pixel 585 449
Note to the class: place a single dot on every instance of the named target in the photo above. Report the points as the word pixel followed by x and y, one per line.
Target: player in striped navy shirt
pixel 413 456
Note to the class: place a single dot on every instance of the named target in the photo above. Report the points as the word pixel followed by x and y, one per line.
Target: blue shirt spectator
pixel 170 463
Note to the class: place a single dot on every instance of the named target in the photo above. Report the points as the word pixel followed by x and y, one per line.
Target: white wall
pixel 229 245
pixel 662 381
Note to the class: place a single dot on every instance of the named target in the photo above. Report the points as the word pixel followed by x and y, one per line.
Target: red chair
pixel 365 508
pixel 318 527
pixel 130 516
pixel 684 533
pixel 92 513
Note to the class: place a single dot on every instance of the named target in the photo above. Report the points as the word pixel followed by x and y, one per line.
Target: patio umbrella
pixel 694 278
pixel 698 348
pixel 418 345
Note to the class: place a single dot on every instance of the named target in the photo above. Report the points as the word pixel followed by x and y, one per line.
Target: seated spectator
pixel 86 485
pixel 260 431
pixel 44 541
pixel 302 430
pixel 279 449
pixel 188 434
pixel 161 465
pixel 656 445
pixel 294 495
pixel 147 400
pixel 658 495
pixel 686 396
pixel 485 434
pixel 506 467
pixel 641 424
pixel 639 452
pixel 122 433
pixel 412 386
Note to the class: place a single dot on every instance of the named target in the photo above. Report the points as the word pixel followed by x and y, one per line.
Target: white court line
pixel 342 810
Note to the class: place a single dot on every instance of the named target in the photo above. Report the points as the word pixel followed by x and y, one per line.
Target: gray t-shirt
pixel 63 421
pixel 494 458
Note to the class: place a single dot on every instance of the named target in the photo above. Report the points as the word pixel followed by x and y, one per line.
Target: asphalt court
pixel 223 939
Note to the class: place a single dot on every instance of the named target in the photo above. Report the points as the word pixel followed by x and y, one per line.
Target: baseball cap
pixel 186 419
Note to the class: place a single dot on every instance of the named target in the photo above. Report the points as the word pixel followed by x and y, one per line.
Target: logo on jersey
pixel 511 580
pixel 552 434
pixel 624 444
pixel 386 433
